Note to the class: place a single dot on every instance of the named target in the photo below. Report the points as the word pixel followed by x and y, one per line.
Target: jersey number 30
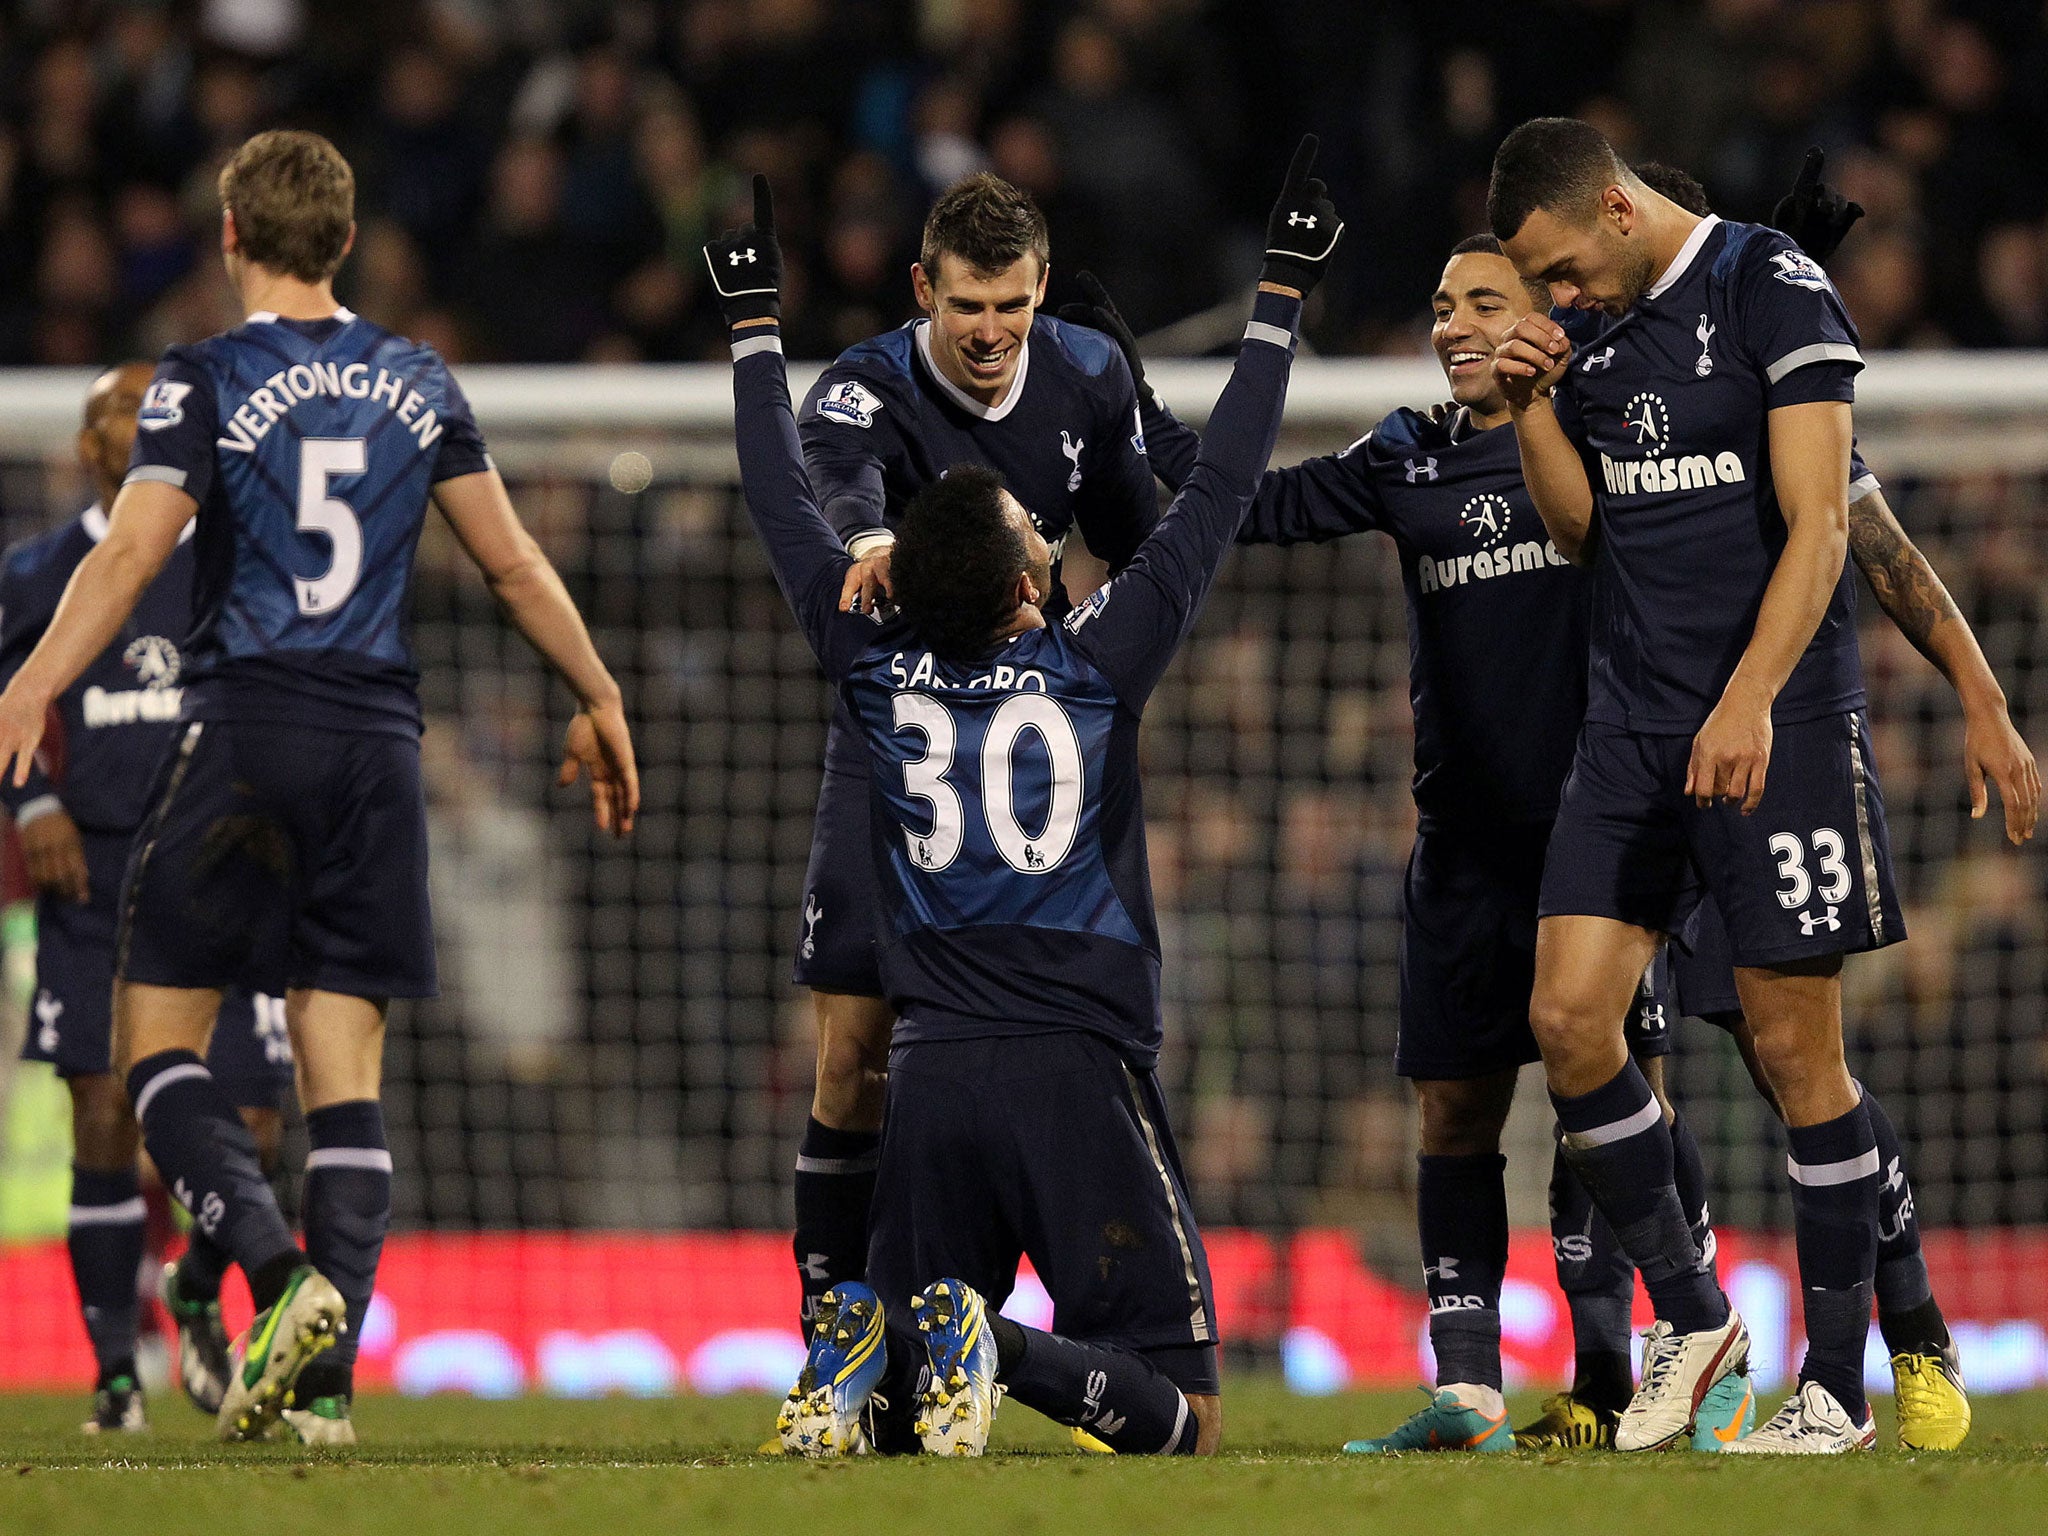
pixel 1029 853
pixel 320 460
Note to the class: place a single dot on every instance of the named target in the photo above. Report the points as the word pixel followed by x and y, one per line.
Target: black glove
pixel 1814 214
pixel 1101 313
pixel 1303 229
pixel 746 264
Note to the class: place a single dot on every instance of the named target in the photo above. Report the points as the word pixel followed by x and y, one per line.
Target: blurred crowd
pixel 536 175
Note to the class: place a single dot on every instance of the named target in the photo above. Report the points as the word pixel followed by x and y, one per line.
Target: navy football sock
pixel 1616 1140
pixel 208 1161
pixel 1689 1178
pixel 348 1208
pixel 1117 1395
pixel 104 1234
pixel 1834 1171
pixel 835 1185
pixel 1599 1285
pixel 1907 1312
pixel 1461 1207
pixel 201 1268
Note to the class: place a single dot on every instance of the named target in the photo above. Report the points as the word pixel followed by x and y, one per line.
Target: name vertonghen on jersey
pixel 250 422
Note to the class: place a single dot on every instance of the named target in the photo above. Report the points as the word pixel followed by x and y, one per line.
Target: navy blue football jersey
pixel 1008 832
pixel 116 720
pixel 1672 400
pixel 311 447
pixel 882 423
pixel 1496 616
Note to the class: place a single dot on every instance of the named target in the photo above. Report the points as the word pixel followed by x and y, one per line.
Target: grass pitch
pixel 447 1466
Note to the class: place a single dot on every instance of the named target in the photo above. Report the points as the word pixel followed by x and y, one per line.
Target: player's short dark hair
pixel 957 559
pixel 1671 182
pixel 988 224
pixel 1553 163
pixel 1473 245
pixel 294 200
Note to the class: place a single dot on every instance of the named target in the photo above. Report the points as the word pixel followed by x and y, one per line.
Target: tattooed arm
pixel 1914 598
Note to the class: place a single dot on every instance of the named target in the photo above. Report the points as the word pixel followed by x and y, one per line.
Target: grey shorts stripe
pixel 1873 901
pixel 1198 1304
pixel 1820 1175
pixel 1180 1423
pixel 1616 1130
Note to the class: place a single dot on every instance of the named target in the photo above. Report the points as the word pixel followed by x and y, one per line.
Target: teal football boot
pixel 1726 1414
pixel 1451 1422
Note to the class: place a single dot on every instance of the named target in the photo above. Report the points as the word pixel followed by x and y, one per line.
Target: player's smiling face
pixel 980 320
pixel 1595 265
pixel 1478 301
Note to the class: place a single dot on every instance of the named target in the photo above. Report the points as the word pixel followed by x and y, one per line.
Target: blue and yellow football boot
pixel 1458 1418
pixel 1726 1414
pixel 824 1413
pixel 957 1407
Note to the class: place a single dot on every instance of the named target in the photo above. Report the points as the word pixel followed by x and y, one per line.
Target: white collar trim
pixel 94 519
pixel 1686 253
pixel 269 316
pixel 959 396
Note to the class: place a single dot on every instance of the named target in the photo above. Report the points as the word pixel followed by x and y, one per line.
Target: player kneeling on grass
pixel 1018 942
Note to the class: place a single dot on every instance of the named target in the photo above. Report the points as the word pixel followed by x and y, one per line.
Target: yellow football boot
pixel 1566 1424
pixel 1934 1407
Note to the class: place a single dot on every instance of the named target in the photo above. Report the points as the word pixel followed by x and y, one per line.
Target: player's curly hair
pixel 956 563
pixel 987 223
pixel 1675 184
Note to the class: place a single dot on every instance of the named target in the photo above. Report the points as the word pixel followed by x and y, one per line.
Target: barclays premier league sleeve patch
pixel 163 405
pixel 1801 271
pixel 1086 609
pixel 850 402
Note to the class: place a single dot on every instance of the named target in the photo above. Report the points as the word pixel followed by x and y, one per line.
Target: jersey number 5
pixel 320 459
pixel 925 779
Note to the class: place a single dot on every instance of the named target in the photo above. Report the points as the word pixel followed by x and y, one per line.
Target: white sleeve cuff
pixel 872 542
pixel 32 810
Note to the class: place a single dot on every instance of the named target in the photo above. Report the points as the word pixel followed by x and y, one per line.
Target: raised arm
pixel 526 585
pixel 1132 626
pixel 1914 599
pixel 809 561
pixel 1312 502
pixel 1529 365
pixel 142 530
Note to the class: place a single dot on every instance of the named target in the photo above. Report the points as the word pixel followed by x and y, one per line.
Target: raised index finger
pixel 764 206
pixel 1304 159
pixel 1809 172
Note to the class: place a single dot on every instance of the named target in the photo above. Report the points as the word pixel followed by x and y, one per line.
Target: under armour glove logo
pixel 1304 227
pixel 756 292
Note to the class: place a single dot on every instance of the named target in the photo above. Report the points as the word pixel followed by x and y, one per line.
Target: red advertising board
pixel 581 1314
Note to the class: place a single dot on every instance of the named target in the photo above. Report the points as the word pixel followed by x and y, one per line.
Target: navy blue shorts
pixel 71 1025
pixel 836 950
pixel 286 855
pixel 1047 1145
pixel 1702 974
pixel 1468 955
pixel 1808 874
